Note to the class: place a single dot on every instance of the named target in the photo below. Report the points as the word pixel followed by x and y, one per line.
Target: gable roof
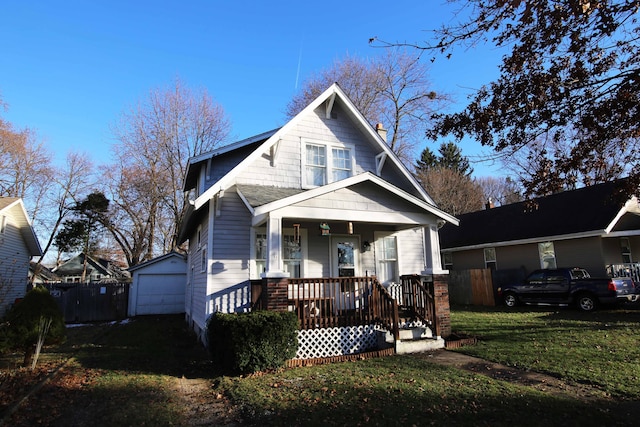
pixel 328 96
pixel 157 259
pixel 260 202
pixel 588 211
pixel 15 207
pixel 191 174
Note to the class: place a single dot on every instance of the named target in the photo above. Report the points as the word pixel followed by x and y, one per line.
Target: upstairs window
pixel 3 223
pixel 326 163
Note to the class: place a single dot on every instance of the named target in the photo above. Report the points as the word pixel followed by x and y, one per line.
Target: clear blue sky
pixel 68 69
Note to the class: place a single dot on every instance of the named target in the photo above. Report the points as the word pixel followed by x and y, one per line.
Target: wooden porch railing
pixel 337 301
pixel 352 301
pixel 417 300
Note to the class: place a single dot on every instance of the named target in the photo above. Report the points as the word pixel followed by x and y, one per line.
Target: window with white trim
pixel 203 259
pixel 547 254
pixel 387 254
pixel 490 258
pixel 625 247
pixel 326 163
pixel 447 260
pixel 292 253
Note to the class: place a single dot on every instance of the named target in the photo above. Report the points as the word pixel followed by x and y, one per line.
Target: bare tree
pixel 154 142
pixel 25 167
pixel 392 89
pixel 500 191
pixel 452 191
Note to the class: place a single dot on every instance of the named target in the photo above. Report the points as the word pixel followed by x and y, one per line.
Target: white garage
pixel 158 286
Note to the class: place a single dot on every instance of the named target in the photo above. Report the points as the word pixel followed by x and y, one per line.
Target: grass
pixel 125 375
pixel 600 348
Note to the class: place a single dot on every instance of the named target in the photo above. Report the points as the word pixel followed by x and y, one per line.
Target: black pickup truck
pixel 569 286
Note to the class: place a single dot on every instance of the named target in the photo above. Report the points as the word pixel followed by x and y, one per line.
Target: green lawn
pixel 125 375
pixel 598 348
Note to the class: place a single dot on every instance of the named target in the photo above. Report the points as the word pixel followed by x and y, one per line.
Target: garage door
pixel 160 294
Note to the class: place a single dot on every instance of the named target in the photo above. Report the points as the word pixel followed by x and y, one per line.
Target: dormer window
pixel 326 163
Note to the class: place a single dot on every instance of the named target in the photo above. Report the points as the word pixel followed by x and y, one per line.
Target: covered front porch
pixel 348 315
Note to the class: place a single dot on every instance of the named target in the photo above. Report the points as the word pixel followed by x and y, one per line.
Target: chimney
pixel 381 131
pixel 490 204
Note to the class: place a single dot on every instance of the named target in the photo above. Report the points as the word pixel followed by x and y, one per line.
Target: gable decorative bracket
pixel 380 159
pixel 329 105
pixel 275 148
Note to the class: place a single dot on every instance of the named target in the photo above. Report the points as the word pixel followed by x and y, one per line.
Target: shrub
pixel 23 324
pixel 252 342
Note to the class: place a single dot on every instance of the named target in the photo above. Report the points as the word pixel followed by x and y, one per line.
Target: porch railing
pixel 417 299
pixel 352 301
pixel 625 270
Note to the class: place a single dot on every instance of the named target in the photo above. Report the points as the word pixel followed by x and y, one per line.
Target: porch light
pixel 325 230
pixel 350 227
pixel 366 246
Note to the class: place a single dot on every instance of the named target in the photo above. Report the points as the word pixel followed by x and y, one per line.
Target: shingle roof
pixel 257 195
pixel 588 209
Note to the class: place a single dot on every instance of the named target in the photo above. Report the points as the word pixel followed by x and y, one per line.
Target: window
pixel 291 253
pixel 547 255
pixel 199 236
pixel 490 258
pixel 203 259
pixel 447 260
pixel 326 163
pixel 3 223
pixel 316 165
pixel 625 247
pixel 387 259
pixel 261 253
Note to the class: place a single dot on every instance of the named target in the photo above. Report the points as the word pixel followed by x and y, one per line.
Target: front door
pixel 345 255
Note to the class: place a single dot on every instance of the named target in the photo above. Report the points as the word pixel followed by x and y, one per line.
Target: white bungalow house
pixel 18 244
pixel 321 218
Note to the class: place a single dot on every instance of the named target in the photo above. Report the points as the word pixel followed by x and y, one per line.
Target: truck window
pixel 579 273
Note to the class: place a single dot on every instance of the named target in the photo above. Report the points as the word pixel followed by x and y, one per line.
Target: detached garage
pixel 158 286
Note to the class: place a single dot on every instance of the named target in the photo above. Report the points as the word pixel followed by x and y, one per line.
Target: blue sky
pixel 68 69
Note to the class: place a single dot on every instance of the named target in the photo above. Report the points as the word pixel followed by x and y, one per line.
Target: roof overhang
pixel 286 206
pixel 27 232
pixel 632 206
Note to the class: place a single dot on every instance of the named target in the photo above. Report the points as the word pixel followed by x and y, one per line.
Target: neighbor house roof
pixel 15 206
pixel 588 211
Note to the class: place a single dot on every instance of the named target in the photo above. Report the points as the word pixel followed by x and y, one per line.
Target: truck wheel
pixel 510 300
pixel 586 302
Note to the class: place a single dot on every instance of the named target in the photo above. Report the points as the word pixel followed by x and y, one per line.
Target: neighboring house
pixel 18 244
pixel 589 227
pixel 39 273
pixel 158 285
pixel 313 217
pixel 97 270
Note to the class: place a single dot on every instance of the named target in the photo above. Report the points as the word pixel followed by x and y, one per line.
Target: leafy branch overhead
pixel 570 78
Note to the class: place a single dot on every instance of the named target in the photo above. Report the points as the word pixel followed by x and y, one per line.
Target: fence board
pixel 91 302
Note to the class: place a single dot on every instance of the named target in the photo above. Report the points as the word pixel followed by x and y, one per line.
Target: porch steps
pixel 415 339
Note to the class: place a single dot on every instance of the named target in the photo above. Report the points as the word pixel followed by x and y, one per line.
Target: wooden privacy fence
pixel 471 287
pixel 93 302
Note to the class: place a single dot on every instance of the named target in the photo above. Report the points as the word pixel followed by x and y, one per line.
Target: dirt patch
pixel 204 406
pixel 538 381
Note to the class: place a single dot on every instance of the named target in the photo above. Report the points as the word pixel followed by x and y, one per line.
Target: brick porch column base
pixel 443 310
pixel 275 293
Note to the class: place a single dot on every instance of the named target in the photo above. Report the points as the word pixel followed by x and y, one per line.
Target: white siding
pixel 228 288
pixel 287 169
pixel 14 264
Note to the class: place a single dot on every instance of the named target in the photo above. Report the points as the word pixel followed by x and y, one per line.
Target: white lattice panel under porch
pixel 329 342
